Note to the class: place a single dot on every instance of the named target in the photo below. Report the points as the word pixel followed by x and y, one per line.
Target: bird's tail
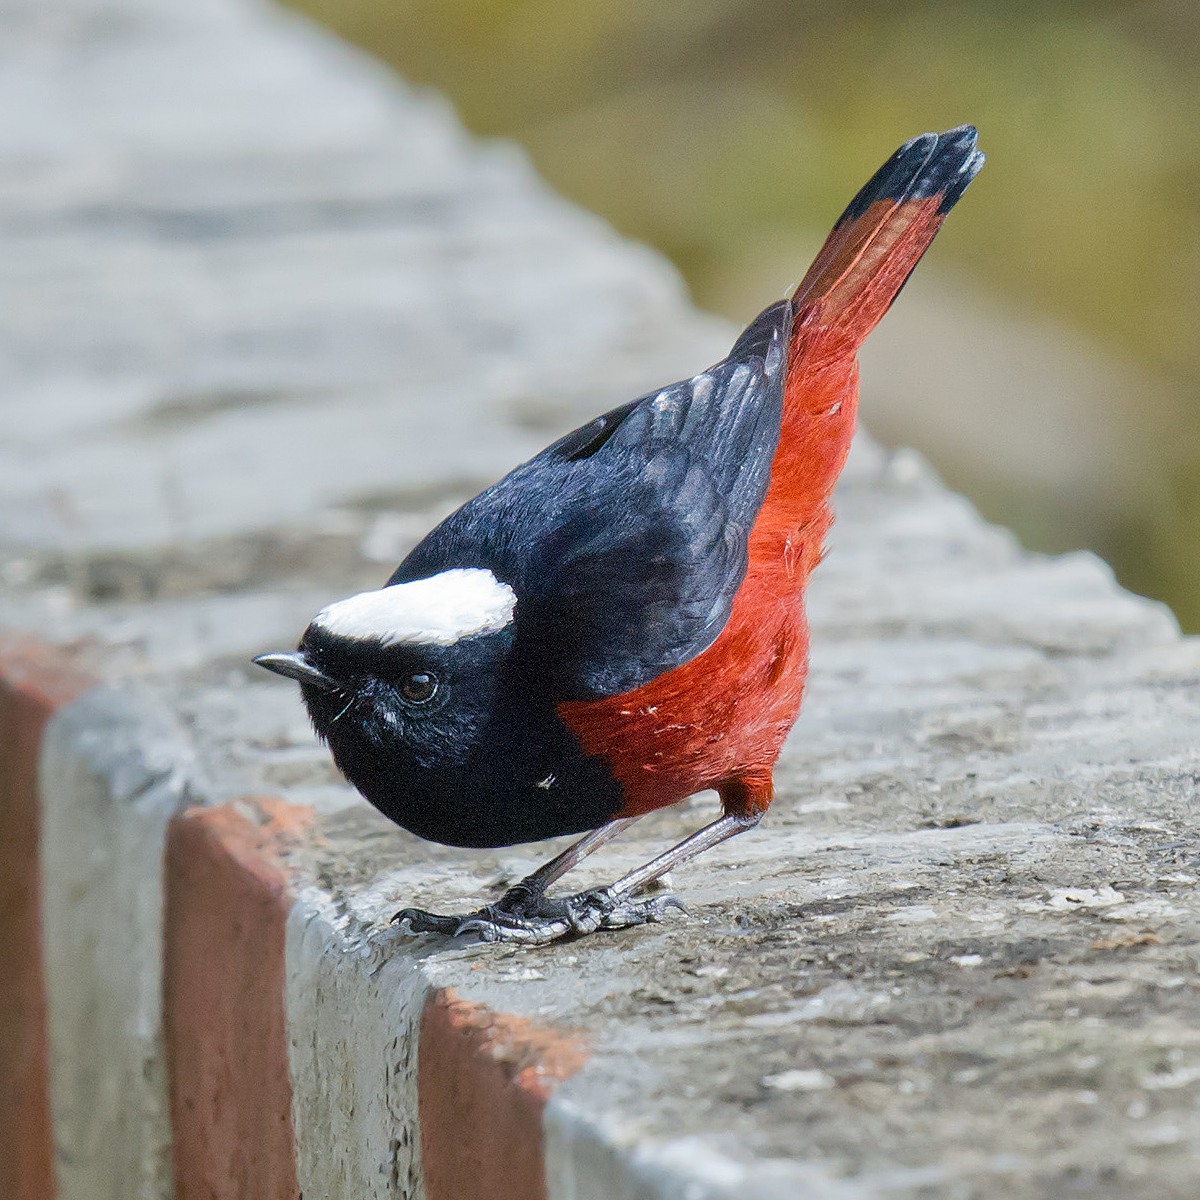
pixel 881 236
pixel 863 265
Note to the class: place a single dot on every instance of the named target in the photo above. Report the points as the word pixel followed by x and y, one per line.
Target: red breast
pixel 720 719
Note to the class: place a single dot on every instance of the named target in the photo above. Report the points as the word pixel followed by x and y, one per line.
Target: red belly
pixel 720 720
pixel 720 717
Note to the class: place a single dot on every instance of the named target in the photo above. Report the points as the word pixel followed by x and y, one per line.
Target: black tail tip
pixel 954 162
pixel 934 164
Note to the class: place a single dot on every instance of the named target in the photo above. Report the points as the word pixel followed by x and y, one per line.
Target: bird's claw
pixel 420 921
pixel 545 920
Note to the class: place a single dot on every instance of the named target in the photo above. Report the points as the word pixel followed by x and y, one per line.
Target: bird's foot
pixel 528 919
pixel 517 905
pixel 602 908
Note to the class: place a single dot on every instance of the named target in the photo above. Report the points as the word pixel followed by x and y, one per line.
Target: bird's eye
pixel 419 688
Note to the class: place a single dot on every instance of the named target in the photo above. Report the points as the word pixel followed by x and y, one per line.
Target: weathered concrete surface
pixel 267 314
pixel 355 1022
pixel 114 772
pixel 282 284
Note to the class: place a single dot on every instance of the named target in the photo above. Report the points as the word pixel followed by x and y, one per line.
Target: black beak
pixel 297 666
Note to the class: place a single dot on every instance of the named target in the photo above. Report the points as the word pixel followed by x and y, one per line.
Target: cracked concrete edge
pixel 357 1127
pixel 94 784
pixel 199 989
pixel 591 1157
pixel 113 771
pixel 437 1096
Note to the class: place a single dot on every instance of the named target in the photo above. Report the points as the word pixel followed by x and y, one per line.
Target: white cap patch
pixel 433 612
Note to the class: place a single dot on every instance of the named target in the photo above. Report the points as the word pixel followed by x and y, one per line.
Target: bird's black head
pixel 425 703
pixel 429 713
pixel 418 692
pixel 402 682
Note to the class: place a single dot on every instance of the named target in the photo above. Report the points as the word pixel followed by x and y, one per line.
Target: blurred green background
pixel 1046 357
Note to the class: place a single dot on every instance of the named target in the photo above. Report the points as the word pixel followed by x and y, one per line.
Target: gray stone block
pixel 114 770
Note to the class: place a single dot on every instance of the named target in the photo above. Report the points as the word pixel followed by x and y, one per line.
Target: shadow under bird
pixel 619 623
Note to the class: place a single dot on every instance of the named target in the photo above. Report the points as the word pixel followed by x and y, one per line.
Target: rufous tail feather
pixel 864 263
pixel 881 236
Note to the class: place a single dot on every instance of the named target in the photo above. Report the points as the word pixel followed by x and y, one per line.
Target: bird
pixel 619 622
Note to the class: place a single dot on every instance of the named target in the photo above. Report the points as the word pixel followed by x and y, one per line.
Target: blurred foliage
pixel 716 128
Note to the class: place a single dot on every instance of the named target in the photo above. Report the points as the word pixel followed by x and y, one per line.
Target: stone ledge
pixel 960 954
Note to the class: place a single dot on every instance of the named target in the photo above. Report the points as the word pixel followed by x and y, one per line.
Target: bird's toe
pixel 420 921
pixel 500 927
pixel 602 908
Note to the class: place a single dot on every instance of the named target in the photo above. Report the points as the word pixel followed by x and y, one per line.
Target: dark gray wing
pixel 626 540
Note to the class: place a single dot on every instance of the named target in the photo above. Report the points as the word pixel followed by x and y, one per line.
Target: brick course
pixel 34 680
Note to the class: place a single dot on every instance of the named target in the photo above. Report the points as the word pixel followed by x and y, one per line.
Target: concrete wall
pixel 266 314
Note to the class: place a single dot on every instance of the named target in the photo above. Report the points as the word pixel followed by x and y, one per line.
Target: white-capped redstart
pixel 619 623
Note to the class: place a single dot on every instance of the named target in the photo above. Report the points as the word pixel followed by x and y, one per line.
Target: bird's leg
pixel 534 886
pixel 617 905
pixel 526 914
pixel 524 901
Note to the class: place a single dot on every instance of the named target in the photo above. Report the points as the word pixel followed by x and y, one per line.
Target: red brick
pixel 34 680
pixel 483 1080
pixel 227 901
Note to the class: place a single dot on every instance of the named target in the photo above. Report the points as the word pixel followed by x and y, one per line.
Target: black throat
pixel 525 779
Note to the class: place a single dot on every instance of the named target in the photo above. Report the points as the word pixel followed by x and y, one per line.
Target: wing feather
pixel 626 540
